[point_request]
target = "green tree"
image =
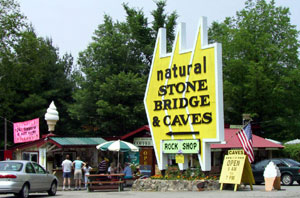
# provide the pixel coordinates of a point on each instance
(35, 77)
(109, 98)
(31, 73)
(121, 102)
(261, 67)
(291, 151)
(12, 22)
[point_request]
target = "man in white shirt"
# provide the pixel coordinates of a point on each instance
(67, 168)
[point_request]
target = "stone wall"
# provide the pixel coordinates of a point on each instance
(174, 185)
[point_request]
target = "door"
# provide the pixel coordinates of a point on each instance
(42, 175)
(31, 177)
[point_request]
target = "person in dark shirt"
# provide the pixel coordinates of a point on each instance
(102, 167)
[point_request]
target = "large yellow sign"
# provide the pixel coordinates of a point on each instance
(236, 169)
(184, 95)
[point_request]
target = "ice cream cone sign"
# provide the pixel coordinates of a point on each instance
(272, 177)
(51, 117)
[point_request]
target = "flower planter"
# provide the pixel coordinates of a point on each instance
(174, 185)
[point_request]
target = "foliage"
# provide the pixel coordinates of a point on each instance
(31, 73)
(135, 167)
(261, 68)
(173, 173)
(292, 151)
(114, 68)
(12, 22)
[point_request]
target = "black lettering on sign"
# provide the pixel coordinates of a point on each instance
(171, 146)
(181, 71)
(189, 146)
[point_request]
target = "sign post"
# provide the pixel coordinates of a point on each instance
(184, 95)
(236, 169)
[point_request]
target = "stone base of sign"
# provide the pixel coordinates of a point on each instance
(174, 185)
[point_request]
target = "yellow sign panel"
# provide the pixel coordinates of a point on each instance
(236, 169)
(232, 169)
(236, 152)
(184, 95)
(179, 159)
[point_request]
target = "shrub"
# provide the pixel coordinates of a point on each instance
(292, 151)
(173, 173)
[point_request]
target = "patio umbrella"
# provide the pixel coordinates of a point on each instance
(118, 146)
(295, 141)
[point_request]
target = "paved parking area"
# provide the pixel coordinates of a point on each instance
(258, 191)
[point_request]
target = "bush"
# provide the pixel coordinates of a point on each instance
(173, 173)
(292, 151)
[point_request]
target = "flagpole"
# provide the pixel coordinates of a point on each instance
(244, 125)
(118, 165)
(247, 122)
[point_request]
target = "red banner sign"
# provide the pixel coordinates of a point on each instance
(27, 131)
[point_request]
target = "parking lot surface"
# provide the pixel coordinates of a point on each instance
(258, 191)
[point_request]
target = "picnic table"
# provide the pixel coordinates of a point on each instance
(105, 182)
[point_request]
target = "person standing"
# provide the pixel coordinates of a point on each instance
(67, 168)
(78, 172)
(86, 169)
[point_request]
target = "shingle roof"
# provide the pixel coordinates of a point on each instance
(233, 142)
(84, 141)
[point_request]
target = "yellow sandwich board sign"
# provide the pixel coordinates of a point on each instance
(236, 169)
(184, 94)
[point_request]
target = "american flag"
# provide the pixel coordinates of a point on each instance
(245, 138)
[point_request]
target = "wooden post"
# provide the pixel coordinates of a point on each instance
(5, 134)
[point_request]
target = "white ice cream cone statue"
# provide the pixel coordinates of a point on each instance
(269, 182)
(51, 124)
(272, 177)
(51, 117)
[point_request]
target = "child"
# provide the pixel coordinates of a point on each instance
(86, 170)
(112, 169)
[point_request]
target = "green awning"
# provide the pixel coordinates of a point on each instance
(78, 141)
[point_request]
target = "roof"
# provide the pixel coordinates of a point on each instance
(145, 127)
(274, 141)
(37, 143)
(233, 142)
(128, 135)
(77, 141)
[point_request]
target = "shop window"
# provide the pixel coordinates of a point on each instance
(30, 156)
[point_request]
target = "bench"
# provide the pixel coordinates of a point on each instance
(105, 182)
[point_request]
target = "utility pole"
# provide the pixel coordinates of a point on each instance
(5, 134)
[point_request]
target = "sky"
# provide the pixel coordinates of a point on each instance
(71, 23)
